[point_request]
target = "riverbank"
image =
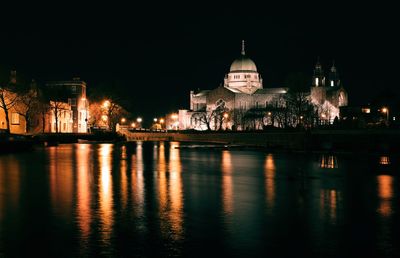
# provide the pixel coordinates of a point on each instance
(377, 140)
(13, 142)
(56, 138)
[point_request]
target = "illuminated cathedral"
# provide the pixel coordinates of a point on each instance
(242, 96)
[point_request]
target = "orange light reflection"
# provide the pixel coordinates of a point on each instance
(83, 191)
(385, 193)
(270, 170)
(105, 191)
(227, 185)
(175, 191)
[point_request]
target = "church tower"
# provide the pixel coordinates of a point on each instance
(334, 76)
(319, 76)
(318, 89)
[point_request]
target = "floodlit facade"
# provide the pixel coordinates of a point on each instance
(77, 100)
(327, 93)
(225, 106)
(17, 122)
(241, 102)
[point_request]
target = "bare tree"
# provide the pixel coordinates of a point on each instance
(28, 105)
(8, 96)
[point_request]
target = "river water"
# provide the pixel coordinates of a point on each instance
(164, 199)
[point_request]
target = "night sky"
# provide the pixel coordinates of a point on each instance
(153, 57)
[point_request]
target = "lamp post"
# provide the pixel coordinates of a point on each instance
(386, 111)
(139, 121)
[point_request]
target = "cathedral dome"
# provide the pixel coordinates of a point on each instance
(243, 63)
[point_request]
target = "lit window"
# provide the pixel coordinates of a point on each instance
(15, 118)
(366, 110)
(332, 83)
(316, 81)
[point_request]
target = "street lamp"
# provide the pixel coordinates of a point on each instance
(161, 122)
(386, 111)
(106, 103)
(155, 120)
(123, 120)
(139, 121)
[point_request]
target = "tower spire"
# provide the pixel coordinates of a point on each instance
(243, 48)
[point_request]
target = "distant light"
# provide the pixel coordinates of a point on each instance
(226, 115)
(323, 115)
(394, 118)
(384, 110)
(139, 120)
(174, 116)
(155, 119)
(123, 120)
(269, 113)
(161, 120)
(366, 110)
(106, 103)
(133, 124)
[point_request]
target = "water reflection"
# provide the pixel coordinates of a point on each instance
(328, 161)
(329, 199)
(83, 190)
(162, 182)
(384, 160)
(269, 172)
(385, 193)
(9, 185)
(227, 185)
(61, 180)
(105, 192)
(137, 180)
(175, 190)
(123, 176)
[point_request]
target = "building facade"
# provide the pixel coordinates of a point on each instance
(227, 106)
(74, 94)
(327, 93)
(242, 103)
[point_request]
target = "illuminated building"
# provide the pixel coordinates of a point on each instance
(327, 94)
(241, 91)
(76, 98)
(245, 100)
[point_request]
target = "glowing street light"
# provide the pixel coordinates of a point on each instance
(133, 125)
(386, 111)
(269, 113)
(155, 120)
(139, 120)
(123, 120)
(226, 115)
(106, 103)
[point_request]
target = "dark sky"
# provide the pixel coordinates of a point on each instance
(154, 55)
